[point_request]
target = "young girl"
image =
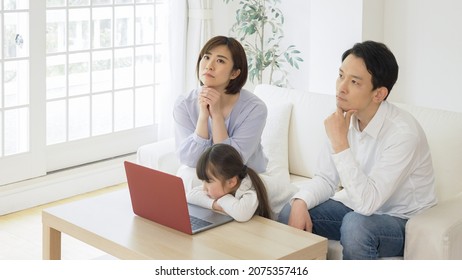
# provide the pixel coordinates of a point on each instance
(229, 185)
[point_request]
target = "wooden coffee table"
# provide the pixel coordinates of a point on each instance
(107, 222)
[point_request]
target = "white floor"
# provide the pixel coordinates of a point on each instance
(21, 234)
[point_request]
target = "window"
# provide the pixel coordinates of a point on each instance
(86, 90)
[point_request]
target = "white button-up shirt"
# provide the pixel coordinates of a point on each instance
(387, 169)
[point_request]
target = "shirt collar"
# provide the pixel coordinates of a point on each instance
(376, 123)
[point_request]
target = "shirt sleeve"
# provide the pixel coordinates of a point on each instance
(245, 134)
(243, 204)
(241, 209)
(367, 193)
(199, 197)
(189, 146)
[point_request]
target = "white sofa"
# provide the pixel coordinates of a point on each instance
(295, 131)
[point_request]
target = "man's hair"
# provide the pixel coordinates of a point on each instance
(237, 55)
(380, 63)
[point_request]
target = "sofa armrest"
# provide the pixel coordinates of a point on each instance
(436, 233)
(159, 155)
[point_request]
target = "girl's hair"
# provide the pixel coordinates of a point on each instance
(223, 161)
(238, 56)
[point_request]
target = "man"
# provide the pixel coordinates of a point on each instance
(381, 162)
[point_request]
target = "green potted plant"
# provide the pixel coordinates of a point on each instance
(259, 26)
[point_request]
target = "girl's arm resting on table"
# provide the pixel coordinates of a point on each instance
(241, 209)
(198, 196)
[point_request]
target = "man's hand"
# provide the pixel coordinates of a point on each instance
(299, 216)
(337, 126)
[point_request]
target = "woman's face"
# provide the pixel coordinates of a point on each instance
(216, 68)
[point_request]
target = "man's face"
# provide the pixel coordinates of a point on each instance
(354, 85)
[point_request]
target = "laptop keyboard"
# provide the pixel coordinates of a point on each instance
(197, 223)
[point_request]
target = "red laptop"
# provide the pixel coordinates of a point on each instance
(160, 197)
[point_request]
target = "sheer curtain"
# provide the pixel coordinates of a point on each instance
(190, 27)
(177, 31)
(199, 32)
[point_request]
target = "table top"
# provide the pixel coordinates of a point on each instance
(107, 222)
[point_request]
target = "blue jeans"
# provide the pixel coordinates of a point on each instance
(362, 237)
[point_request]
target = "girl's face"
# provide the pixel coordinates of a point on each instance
(216, 67)
(215, 188)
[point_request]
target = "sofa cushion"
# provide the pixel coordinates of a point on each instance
(306, 128)
(275, 140)
(444, 133)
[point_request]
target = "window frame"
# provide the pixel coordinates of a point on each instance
(42, 158)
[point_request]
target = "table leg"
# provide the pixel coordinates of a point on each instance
(51, 243)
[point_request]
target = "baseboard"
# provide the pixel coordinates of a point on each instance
(62, 184)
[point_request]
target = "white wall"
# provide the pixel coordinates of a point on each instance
(298, 19)
(320, 29)
(335, 26)
(425, 35)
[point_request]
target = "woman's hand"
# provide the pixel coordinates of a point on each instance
(211, 98)
(204, 112)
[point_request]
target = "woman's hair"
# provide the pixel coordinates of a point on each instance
(238, 56)
(223, 162)
(380, 62)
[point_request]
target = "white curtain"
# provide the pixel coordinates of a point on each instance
(174, 66)
(199, 32)
(190, 26)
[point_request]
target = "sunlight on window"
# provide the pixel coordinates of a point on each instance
(105, 52)
(79, 30)
(123, 68)
(80, 81)
(101, 71)
(124, 24)
(16, 131)
(14, 74)
(16, 80)
(123, 110)
(56, 76)
(15, 4)
(101, 114)
(79, 118)
(79, 73)
(56, 122)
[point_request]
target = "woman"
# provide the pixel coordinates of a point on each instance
(219, 111)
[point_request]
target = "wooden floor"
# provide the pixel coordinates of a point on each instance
(21, 234)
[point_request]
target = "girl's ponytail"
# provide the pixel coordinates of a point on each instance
(262, 195)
